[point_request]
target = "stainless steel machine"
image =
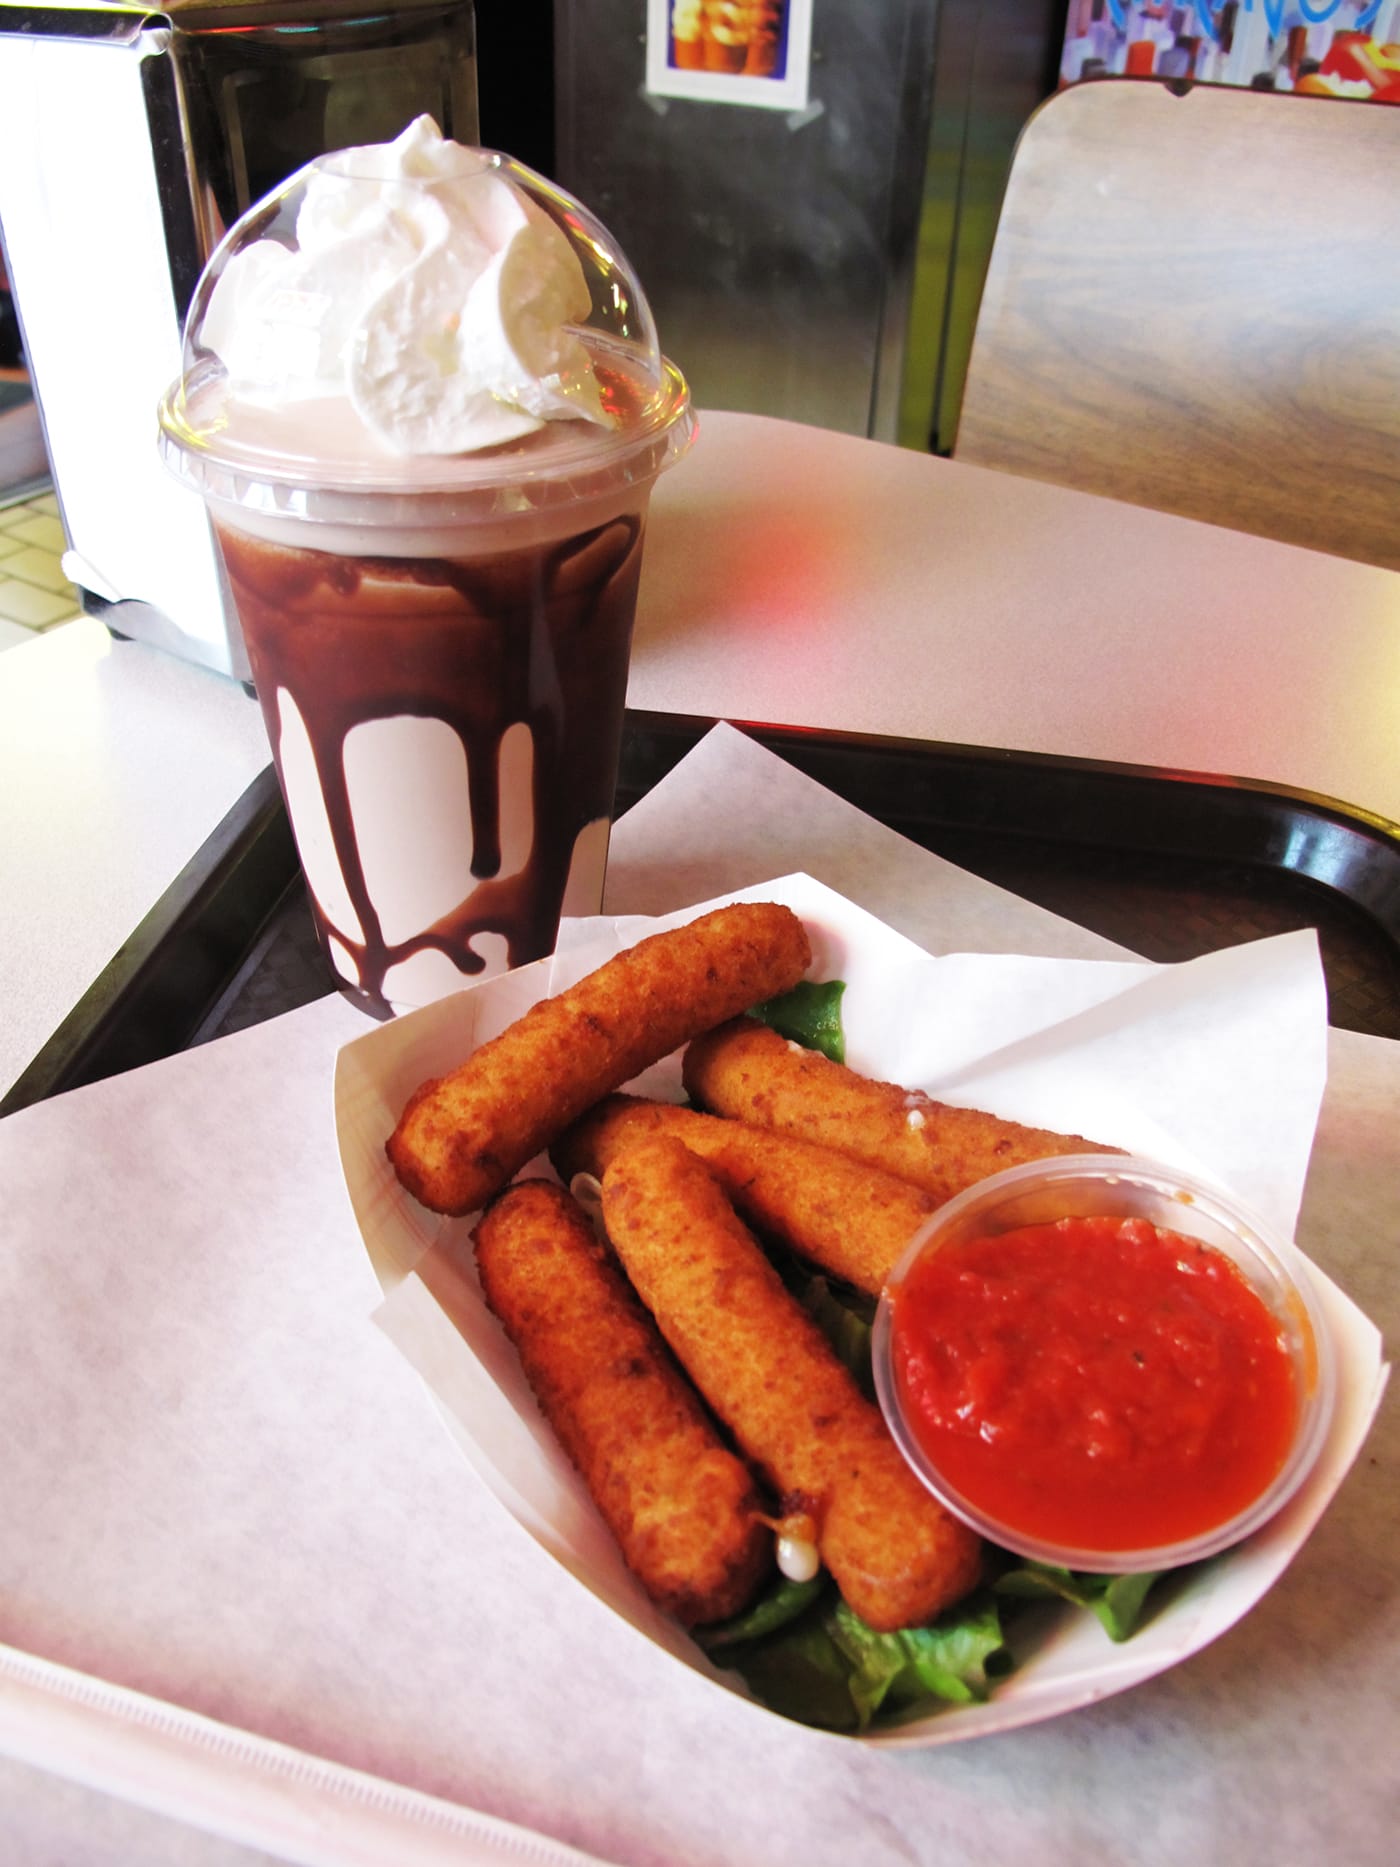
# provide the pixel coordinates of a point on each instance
(130, 138)
(823, 263)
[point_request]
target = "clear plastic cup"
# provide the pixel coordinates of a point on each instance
(439, 643)
(1121, 1187)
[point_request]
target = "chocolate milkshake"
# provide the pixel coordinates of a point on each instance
(427, 426)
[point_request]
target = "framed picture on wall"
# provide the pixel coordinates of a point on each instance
(748, 52)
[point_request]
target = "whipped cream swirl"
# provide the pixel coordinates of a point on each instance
(426, 291)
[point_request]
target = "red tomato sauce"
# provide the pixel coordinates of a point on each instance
(1094, 1382)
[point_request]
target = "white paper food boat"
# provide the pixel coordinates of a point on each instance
(1216, 1067)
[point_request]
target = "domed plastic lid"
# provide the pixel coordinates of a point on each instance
(419, 319)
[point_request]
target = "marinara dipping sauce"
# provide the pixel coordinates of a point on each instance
(1106, 1372)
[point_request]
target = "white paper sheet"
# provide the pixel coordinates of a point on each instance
(227, 1492)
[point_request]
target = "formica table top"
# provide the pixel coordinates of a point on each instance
(822, 580)
(792, 576)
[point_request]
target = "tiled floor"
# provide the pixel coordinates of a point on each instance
(34, 593)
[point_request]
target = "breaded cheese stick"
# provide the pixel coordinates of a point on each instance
(771, 1376)
(842, 1214)
(683, 1508)
(463, 1136)
(748, 1072)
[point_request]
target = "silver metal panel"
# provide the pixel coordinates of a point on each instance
(129, 138)
(777, 249)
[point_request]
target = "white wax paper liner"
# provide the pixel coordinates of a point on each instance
(1215, 1066)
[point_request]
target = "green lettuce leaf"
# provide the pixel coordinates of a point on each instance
(809, 1014)
(950, 1662)
(800, 1674)
(806, 1655)
(1118, 1600)
(781, 1603)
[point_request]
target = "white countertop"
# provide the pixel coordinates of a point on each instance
(814, 579)
(116, 763)
(792, 576)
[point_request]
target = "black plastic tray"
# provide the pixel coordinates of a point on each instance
(1168, 864)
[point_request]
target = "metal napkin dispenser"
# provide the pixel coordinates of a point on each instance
(130, 139)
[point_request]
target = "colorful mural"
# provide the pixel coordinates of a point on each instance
(1337, 48)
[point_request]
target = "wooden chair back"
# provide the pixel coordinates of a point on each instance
(1193, 303)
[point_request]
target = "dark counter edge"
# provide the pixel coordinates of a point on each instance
(149, 999)
(921, 788)
(152, 998)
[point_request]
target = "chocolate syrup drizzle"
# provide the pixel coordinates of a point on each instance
(540, 636)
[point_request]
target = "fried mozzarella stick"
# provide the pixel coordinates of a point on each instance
(769, 1373)
(463, 1136)
(683, 1508)
(748, 1072)
(841, 1214)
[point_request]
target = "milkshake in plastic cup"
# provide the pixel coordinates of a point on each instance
(423, 399)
